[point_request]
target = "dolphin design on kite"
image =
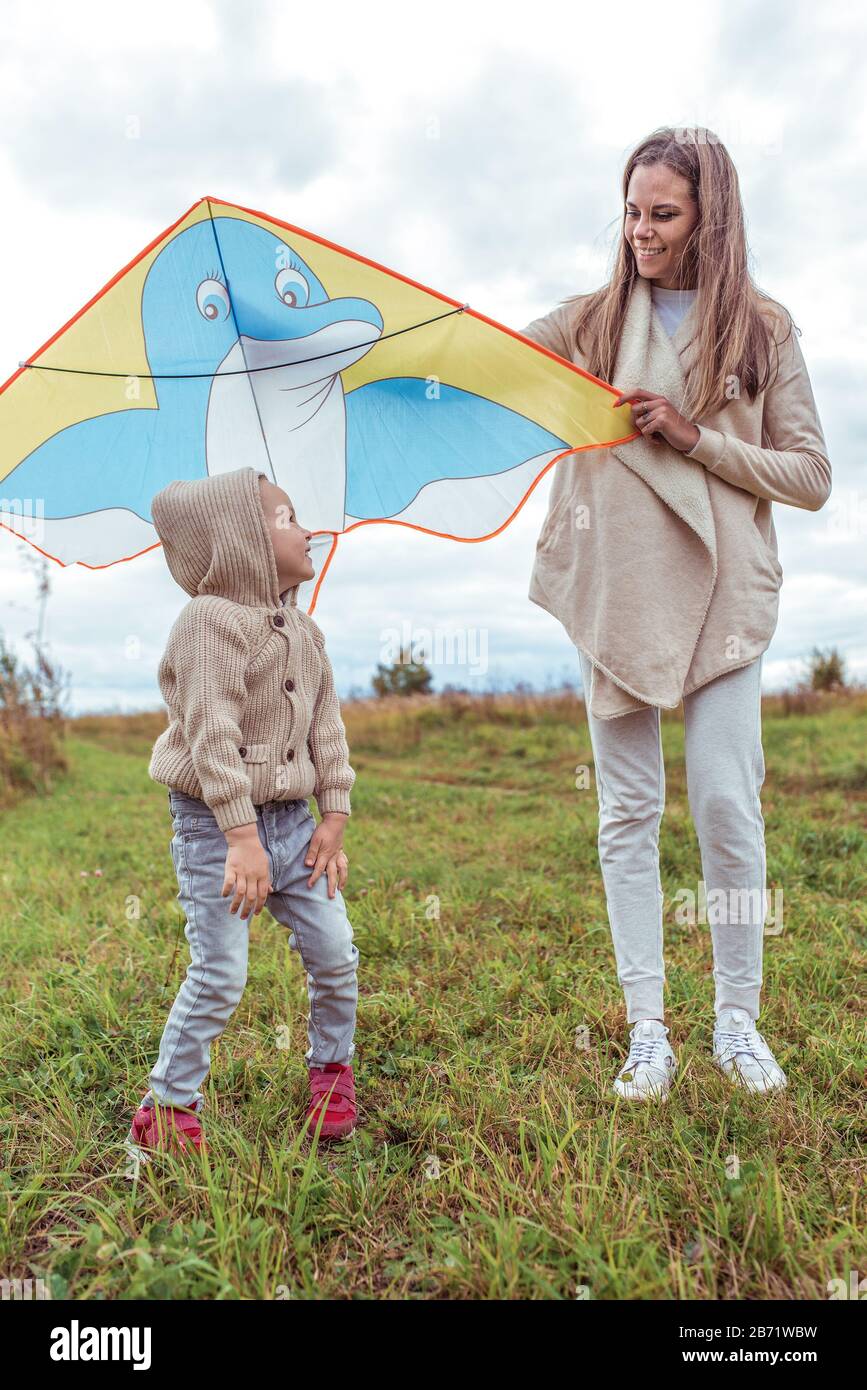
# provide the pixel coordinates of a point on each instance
(238, 339)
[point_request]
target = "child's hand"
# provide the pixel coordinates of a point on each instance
(247, 870)
(326, 852)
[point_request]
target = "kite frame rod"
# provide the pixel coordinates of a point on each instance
(239, 371)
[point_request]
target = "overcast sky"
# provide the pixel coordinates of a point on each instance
(477, 148)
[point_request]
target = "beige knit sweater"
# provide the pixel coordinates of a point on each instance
(253, 713)
(663, 566)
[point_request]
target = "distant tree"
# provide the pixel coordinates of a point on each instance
(826, 670)
(32, 720)
(404, 677)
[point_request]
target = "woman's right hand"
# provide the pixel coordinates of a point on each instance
(247, 876)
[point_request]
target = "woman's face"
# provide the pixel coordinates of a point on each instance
(660, 216)
(291, 542)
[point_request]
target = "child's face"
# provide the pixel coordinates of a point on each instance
(291, 542)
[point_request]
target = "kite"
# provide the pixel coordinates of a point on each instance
(237, 339)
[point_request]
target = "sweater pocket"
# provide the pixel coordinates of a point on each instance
(258, 760)
(255, 752)
(768, 552)
(552, 527)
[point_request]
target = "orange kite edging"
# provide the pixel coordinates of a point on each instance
(376, 265)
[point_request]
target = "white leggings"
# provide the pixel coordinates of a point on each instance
(725, 769)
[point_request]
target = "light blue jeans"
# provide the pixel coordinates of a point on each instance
(725, 769)
(319, 929)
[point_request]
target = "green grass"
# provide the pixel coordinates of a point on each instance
(492, 1160)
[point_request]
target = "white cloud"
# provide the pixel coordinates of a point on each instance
(477, 149)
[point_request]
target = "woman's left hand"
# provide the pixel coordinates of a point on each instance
(654, 415)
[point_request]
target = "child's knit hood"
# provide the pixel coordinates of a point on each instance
(216, 538)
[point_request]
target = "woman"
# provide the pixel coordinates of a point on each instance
(659, 556)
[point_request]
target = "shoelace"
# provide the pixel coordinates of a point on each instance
(642, 1050)
(752, 1043)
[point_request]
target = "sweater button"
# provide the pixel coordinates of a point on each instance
(289, 685)
(290, 754)
(243, 752)
(279, 622)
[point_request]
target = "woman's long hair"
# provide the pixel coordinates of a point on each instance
(736, 320)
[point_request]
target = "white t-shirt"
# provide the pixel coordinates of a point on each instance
(671, 305)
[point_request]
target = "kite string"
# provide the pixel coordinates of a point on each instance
(241, 371)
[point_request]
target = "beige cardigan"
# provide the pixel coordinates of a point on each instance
(662, 566)
(253, 713)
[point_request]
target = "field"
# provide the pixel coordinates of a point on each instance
(493, 1160)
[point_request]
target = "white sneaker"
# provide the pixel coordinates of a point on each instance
(648, 1070)
(741, 1052)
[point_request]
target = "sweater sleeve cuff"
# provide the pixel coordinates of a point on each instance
(240, 811)
(333, 799)
(709, 447)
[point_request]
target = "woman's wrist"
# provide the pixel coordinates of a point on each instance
(691, 446)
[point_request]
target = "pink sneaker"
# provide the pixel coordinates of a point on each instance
(172, 1128)
(332, 1088)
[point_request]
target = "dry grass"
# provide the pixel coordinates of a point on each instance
(492, 1160)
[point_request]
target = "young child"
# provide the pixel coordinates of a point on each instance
(254, 729)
